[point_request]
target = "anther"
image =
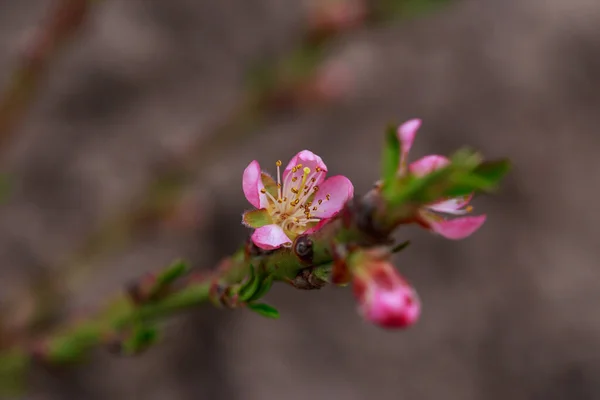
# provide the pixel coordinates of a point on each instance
(278, 163)
(469, 209)
(263, 191)
(328, 197)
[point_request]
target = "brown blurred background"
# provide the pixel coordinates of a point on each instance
(197, 89)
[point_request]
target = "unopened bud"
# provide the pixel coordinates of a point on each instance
(384, 297)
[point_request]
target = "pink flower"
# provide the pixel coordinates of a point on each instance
(429, 215)
(294, 204)
(384, 297)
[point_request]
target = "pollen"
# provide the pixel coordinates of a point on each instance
(292, 205)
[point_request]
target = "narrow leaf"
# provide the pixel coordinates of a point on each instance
(173, 272)
(250, 287)
(265, 286)
(390, 156)
(400, 246)
(264, 309)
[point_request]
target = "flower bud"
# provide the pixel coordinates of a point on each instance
(384, 297)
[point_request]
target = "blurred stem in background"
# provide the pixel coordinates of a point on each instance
(60, 26)
(298, 79)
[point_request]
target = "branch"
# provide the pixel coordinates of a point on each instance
(356, 241)
(61, 26)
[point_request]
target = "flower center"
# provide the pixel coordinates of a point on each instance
(292, 207)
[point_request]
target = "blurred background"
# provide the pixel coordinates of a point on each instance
(125, 126)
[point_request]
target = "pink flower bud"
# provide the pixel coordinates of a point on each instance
(384, 297)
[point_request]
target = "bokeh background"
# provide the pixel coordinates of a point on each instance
(124, 146)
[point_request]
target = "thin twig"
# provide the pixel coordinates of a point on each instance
(61, 25)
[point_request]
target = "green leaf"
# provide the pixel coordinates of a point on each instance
(264, 287)
(173, 272)
(484, 177)
(400, 246)
(142, 337)
(464, 175)
(264, 309)
(390, 156)
(248, 289)
(257, 218)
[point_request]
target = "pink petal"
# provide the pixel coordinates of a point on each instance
(458, 228)
(270, 237)
(396, 308)
(318, 226)
(452, 206)
(252, 185)
(307, 159)
(406, 134)
(428, 164)
(340, 190)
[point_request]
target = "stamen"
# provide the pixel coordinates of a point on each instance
(320, 201)
(469, 209)
(263, 191)
(278, 164)
(270, 196)
(328, 197)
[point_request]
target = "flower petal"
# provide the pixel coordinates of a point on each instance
(452, 206)
(252, 185)
(332, 196)
(307, 159)
(270, 237)
(458, 228)
(428, 164)
(406, 134)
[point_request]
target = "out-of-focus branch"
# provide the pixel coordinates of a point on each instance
(60, 26)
